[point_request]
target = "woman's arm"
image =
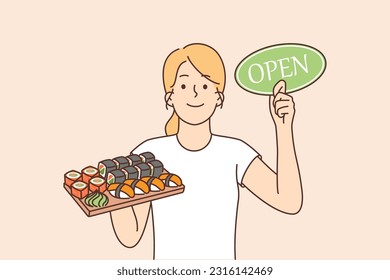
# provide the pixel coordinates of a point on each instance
(283, 189)
(129, 223)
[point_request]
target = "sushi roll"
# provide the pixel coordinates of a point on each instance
(147, 157)
(143, 170)
(121, 190)
(97, 184)
(156, 168)
(105, 167)
(130, 172)
(71, 177)
(120, 162)
(139, 186)
(116, 176)
(134, 159)
(170, 180)
(155, 184)
(79, 189)
(88, 173)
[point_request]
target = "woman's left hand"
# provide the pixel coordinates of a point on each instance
(281, 106)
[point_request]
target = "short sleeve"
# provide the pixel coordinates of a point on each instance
(244, 154)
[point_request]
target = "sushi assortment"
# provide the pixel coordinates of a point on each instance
(122, 177)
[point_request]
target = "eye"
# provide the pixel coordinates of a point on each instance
(183, 86)
(204, 86)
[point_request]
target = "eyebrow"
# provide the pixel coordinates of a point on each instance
(184, 75)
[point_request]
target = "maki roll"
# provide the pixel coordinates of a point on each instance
(143, 170)
(116, 176)
(139, 186)
(170, 180)
(79, 189)
(71, 177)
(88, 173)
(130, 172)
(105, 167)
(147, 157)
(156, 168)
(97, 184)
(155, 184)
(134, 159)
(120, 162)
(121, 191)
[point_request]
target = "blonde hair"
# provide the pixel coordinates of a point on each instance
(205, 59)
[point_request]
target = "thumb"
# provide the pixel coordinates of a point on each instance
(279, 87)
(271, 105)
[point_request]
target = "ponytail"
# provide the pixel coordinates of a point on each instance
(172, 125)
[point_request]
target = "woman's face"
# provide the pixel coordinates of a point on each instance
(194, 97)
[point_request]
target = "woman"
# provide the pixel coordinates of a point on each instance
(201, 222)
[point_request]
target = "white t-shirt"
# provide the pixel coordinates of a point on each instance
(200, 222)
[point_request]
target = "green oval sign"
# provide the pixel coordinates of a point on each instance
(299, 65)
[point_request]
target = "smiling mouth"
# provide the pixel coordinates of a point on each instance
(195, 106)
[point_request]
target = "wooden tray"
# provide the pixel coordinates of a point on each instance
(119, 203)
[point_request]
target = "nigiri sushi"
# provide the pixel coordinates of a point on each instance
(139, 187)
(170, 180)
(155, 184)
(121, 190)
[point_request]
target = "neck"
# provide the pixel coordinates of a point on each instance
(194, 137)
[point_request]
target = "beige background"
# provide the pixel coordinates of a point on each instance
(80, 81)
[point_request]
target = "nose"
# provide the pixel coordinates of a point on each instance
(196, 94)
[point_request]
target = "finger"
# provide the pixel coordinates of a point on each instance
(271, 107)
(282, 111)
(282, 97)
(279, 87)
(271, 104)
(283, 103)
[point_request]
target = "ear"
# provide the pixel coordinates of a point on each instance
(168, 100)
(220, 99)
